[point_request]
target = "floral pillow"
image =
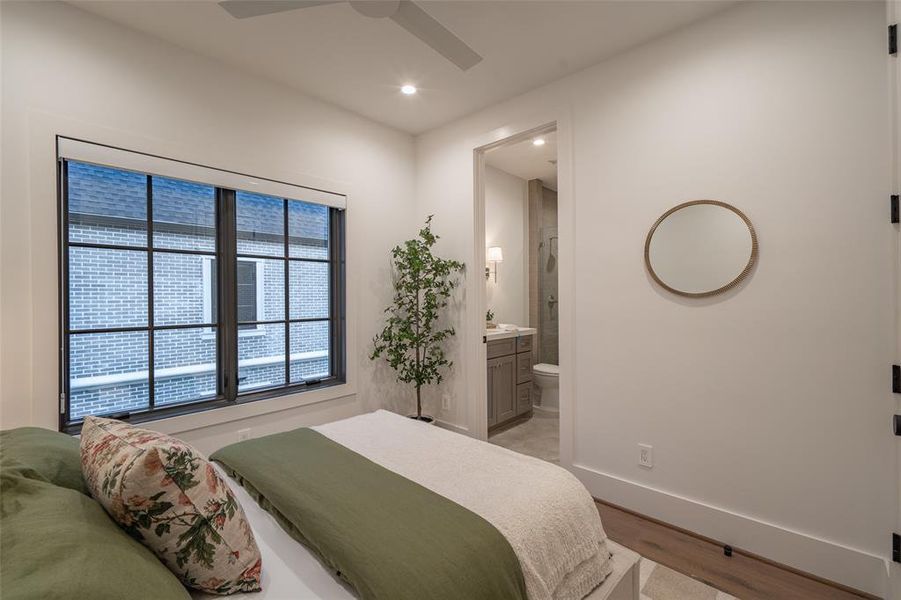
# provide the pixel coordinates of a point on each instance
(166, 495)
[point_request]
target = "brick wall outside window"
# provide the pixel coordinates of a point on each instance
(109, 288)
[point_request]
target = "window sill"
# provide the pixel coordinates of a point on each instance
(249, 409)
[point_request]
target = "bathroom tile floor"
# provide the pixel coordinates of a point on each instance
(538, 437)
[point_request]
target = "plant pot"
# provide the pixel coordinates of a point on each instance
(424, 418)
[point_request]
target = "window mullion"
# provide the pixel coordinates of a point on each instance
(227, 317)
(337, 292)
(151, 384)
(287, 313)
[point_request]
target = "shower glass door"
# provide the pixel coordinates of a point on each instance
(548, 297)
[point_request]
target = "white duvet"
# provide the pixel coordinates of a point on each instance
(543, 511)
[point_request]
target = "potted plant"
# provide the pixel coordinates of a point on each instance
(411, 340)
(489, 320)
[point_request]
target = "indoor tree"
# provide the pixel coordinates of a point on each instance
(411, 341)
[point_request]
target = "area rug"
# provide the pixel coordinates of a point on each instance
(657, 582)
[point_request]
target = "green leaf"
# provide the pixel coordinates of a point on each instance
(411, 342)
(159, 508)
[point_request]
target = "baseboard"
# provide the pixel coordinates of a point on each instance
(830, 560)
(495, 429)
(452, 427)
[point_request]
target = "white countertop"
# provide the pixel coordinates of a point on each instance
(512, 331)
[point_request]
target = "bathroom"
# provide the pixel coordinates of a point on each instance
(522, 317)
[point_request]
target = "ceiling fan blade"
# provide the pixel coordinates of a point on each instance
(243, 9)
(421, 24)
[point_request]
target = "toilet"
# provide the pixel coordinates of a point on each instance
(547, 378)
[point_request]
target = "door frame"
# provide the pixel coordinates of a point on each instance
(893, 15)
(558, 120)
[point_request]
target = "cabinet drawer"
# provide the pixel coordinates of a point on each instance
(501, 347)
(523, 398)
(524, 343)
(523, 367)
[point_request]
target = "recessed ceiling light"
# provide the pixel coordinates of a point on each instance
(408, 89)
(538, 142)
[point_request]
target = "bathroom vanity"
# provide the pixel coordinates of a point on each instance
(509, 374)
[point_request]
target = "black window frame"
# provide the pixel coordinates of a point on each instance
(225, 258)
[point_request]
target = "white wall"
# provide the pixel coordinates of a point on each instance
(507, 226)
(65, 71)
(769, 407)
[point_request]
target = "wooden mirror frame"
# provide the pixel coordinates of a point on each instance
(738, 279)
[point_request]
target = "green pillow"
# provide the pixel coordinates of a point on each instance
(58, 543)
(54, 456)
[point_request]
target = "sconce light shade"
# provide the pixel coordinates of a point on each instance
(495, 254)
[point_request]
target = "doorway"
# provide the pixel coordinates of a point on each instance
(518, 188)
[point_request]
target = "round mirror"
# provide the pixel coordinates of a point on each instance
(700, 248)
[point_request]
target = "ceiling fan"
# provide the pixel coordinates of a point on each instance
(405, 13)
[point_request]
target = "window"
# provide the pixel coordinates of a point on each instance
(250, 287)
(178, 296)
(250, 291)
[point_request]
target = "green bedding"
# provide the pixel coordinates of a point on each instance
(51, 455)
(388, 537)
(58, 544)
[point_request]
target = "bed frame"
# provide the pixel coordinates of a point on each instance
(623, 582)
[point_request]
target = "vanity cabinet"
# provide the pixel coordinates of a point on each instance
(523, 398)
(509, 379)
(501, 389)
(501, 348)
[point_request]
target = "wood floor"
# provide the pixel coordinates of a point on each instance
(743, 576)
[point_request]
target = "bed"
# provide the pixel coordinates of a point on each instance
(542, 513)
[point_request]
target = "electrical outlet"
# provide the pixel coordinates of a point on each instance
(243, 434)
(445, 402)
(646, 455)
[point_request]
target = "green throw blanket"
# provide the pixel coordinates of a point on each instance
(388, 537)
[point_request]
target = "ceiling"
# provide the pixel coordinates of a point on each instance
(335, 54)
(528, 161)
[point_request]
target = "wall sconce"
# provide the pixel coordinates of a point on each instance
(494, 256)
